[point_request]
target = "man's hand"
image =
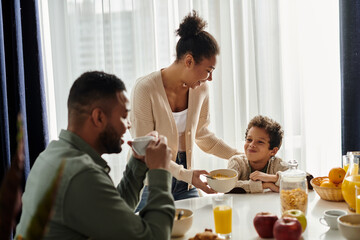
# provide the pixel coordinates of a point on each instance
(264, 177)
(158, 154)
(142, 158)
(196, 181)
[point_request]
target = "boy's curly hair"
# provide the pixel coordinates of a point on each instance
(271, 127)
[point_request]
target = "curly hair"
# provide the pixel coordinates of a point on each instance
(271, 127)
(194, 40)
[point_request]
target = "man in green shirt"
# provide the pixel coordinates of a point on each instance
(88, 205)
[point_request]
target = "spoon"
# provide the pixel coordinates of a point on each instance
(208, 176)
(181, 213)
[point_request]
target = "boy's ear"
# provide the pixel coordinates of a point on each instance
(274, 151)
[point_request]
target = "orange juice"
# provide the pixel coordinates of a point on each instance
(355, 170)
(222, 217)
(346, 167)
(358, 204)
(348, 190)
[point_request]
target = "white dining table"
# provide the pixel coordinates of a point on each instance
(246, 206)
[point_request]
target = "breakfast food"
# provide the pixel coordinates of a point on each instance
(327, 183)
(206, 235)
(293, 199)
(222, 176)
(334, 179)
(336, 175)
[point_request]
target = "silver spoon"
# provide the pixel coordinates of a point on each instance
(208, 176)
(181, 213)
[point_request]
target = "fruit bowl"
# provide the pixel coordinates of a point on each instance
(326, 193)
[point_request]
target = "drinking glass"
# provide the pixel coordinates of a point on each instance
(222, 208)
(352, 179)
(345, 162)
(357, 196)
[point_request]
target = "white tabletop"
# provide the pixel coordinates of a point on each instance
(245, 207)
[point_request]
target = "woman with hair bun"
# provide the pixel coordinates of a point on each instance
(174, 101)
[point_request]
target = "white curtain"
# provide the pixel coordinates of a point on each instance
(278, 58)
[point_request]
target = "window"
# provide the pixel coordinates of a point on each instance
(278, 58)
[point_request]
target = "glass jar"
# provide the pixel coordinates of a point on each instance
(293, 189)
(351, 179)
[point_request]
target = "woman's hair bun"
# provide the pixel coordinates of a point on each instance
(191, 25)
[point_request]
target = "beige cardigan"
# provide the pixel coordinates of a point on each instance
(150, 110)
(241, 164)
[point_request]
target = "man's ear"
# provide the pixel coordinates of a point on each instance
(98, 117)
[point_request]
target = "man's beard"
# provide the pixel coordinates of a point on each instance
(110, 140)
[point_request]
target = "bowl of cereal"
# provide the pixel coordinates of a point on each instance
(223, 180)
(182, 222)
(349, 226)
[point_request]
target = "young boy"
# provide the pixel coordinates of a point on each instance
(259, 168)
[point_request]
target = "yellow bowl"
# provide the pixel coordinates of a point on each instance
(327, 193)
(183, 225)
(224, 180)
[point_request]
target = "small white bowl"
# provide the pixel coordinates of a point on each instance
(223, 185)
(349, 226)
(140, 144)
(183, 225)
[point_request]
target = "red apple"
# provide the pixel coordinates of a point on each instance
(264, 223)
(287, 228)
(299, 215)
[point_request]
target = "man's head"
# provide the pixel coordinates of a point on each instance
(97, 110)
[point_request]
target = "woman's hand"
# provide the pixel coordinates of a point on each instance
(264, 177)
(196, 181)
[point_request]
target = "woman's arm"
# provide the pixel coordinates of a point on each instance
(206, 140)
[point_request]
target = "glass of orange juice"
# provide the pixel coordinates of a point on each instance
(345, 162)
(357, 197)
(351, 180)
(222, 208)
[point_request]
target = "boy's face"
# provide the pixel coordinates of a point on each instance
(257, 144)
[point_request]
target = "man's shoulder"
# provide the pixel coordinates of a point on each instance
(57, 151)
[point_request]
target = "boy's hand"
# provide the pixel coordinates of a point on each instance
(264, 177)
(271, 186)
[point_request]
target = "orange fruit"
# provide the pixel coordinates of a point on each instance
(339, 185)
(336, 175)
(327, 184)
(324, 179)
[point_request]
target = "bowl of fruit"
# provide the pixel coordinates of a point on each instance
(329, 187)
